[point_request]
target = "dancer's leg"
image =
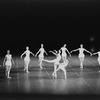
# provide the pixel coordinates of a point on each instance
(81, 62)
(98, 62)
(26, 66)
(40, 62)
(8, 72)
(54, 73)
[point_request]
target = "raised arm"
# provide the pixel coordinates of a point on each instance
(88, 51)
(74, 50)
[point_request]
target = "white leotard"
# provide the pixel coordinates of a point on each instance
(27, 58)
(8, 61)
(63, 52)
(41, 55)
(81, 52)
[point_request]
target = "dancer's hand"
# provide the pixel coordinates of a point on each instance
(91, 54)
(71, 52)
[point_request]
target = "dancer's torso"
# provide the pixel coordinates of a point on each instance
(81, 52)
(41, 53)
(63, 52)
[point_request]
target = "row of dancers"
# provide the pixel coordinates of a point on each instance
(60, 54)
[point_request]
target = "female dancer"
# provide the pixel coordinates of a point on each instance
(27, 59)
(98, 59)
(55, 61)
(8, 63)
(81, 54)
(64, 55)
(41, 55)
(62, 66)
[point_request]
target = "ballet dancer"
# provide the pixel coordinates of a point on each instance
(98, 59)
(62, 66)
(55, 61)
(41, 55)
(64, 54)
(8, 61)
(81, 54)
(27, 59)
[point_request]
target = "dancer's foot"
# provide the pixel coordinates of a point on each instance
(27, 72)
(41, 68)
(8, 77)
(81, 67)
(65, 77)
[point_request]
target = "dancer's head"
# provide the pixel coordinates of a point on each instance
(41, 45)
(64, 45)
(8, 52)
(27, 48)
(81, 45)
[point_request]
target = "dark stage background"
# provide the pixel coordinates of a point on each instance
(51, 22)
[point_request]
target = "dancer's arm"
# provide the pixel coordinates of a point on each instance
(4, 61)
(37, 53)
(68, 52)
(53, 53)
(88, 51)
(31, 53)
(12, 61)
(74, 50)
(95, 53)
(23, 54)
(45, 52)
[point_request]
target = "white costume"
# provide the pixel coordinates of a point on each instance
(41, 55)
(62, 66)
(27, 59)
(8, 61)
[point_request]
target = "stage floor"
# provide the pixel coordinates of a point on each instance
(79, 81)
